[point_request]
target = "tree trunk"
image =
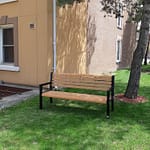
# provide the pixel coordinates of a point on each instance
(134, 79)
(146, 54)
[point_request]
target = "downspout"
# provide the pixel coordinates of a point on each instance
(54, 35)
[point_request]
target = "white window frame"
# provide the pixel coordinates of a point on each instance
(119, 22)
(119, 18)
(119, 38)
(6, 1)
(1, 43)
(138, 30)
(9, 68)
(5, 66)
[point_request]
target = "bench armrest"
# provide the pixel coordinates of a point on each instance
(42, 89)
(46, 83)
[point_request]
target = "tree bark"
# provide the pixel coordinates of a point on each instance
(135, 73)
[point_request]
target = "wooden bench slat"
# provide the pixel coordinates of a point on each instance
(82, 86)
(82, 81)
(98, 82)
(76, 96)
(82, 77)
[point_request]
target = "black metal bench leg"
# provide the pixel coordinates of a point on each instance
(108, 107)
(40, 99)
(112, 104)
(112, 93)
(41, 102)
(51, 100)
(112, 100)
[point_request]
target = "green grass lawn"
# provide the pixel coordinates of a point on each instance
(67, 125)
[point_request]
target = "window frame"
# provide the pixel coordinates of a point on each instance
(2, 45)
(1, 48)
(119, 18)
(6, 22)
(119, 22)
(118, 49)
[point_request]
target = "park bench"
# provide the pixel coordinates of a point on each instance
(89, 82)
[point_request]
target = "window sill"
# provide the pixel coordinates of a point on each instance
(7, 1)
(118, 61)
(119, 27)
(9, 68)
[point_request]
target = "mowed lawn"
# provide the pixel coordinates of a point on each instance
(67, 125)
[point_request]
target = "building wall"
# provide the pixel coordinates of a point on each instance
(86, 40)
(71, 38)
(102, 36)
(33, 43)
(102, 57)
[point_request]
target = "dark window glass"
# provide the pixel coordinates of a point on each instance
(8, 54)
(8, 45)
(8, 36)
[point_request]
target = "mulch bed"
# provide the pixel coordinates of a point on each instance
(8, 91)
(122, 98)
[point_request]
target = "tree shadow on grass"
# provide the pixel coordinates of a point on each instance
(75, 108)
(124, 112)
(124, 118)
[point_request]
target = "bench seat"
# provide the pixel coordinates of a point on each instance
(76, 96)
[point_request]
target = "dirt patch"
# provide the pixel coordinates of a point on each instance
(8, 91)
(122, 98)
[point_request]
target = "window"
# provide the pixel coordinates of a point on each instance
(118, 49)
(119, 22)
(138, 30)
(8, 44)
(6, 1)
(119, 17)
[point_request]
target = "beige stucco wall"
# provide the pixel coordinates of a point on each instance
(102, 59)
(72, 38)
(33, 43)
(102, 47)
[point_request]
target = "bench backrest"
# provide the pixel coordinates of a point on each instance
(93, 82)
